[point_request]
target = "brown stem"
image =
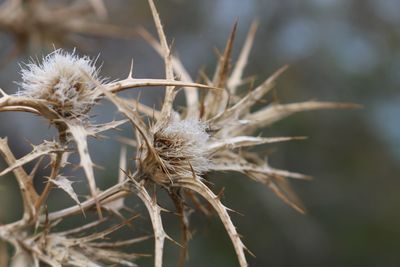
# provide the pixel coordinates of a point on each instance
(54, 171)
(49, 185)
(28, 192)
(184, 222)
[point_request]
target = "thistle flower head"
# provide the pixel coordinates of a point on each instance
(65, 80)
(181, 146)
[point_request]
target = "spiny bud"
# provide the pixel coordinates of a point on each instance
(65, 80)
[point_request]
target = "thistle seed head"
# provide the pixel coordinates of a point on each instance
(65, 80)
(181, 147)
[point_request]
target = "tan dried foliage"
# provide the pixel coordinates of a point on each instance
(174, 151)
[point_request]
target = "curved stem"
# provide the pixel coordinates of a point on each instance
(197, 186)
(54, 171)
(155, 216)
(49, 185)
(183, 214)
(134, 83)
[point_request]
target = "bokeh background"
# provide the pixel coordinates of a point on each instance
(339, 50)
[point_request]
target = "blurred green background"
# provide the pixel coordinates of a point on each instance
(339, 50)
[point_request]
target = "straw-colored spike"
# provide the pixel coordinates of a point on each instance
(144, 109)
(3, 94)
(130, 74)
(236, 78)
(221, 71)
(249, 100)
(170, 92)
(95, 130)
(216, 102)
(124, 84)
(82, 228)
(104, 233)
(276, 112)
(226, 165)
(245, 141)
(200, 188)
(192, 98)
(122, 243)
(280, 186)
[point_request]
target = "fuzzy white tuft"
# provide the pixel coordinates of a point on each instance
(182, 145)
(65, 80)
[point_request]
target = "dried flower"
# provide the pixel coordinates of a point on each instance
(65, 80)
(174, 152)
(223, 124)
(182, 147)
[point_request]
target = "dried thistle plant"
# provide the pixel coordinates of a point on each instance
(174, 151)
(38, 23)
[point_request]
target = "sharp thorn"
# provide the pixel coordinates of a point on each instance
(130, 75)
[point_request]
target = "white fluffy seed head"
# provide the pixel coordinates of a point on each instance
(65, 80)
(182, 146)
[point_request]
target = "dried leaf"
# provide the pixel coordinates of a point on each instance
(244, 141)
(94, 130)
(249, 100)
(63, 183)
(81, 228)
(235, 79)
(120, 243)
(222, 68)
(280, 186)
(276, 112)
(37, 152)
(243, 167)
(216, 101)
(80, 134)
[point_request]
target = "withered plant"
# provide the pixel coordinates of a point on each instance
(37, 23)
(175, 150)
